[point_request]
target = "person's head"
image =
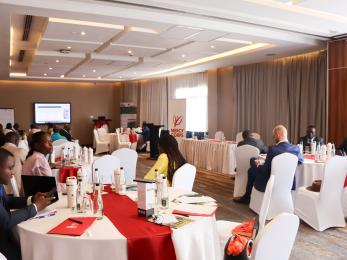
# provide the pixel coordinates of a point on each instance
(8, 126)
(16, 126)
(12, 137)
(49, 125)
(22, 135)
(279, 133)
(311, 131)
(67, 128)
(169, 146)
(246, 134)
(33, 126)
(40, 142)
(144, 124)
(56, 129)
(6, 166)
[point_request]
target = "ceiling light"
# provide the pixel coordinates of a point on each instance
(130, 52)
(212, 46)
(68, 47)
(50, 68)
(83, 33)
(120, 77)
(191, 36)
(289, 3)
(45, 74)
(244, 49)
(134, 73)
(57, 61)
(102, 25)
(223, 39)
(99, 77)
(18, 74)
(83, 76)
(183, 55)
(62, 76)
(94, 70)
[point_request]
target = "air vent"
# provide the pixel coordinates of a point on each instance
(21, 55)
(65, 51)
(27, 24)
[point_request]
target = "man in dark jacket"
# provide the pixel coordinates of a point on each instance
(26, 207)
(248, 139)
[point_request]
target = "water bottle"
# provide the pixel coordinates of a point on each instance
(122, 182)
(96, 177)
(52, 157)
(164, 194)
(80, 196)
(98, 206)
(158, 186)
(317, 154)
(71, 189)
(117, 180)
(333, 150)
(85, 154)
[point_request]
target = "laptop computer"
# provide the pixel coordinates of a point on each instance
(32, 184)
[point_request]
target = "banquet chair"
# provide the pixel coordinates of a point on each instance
(102, 133)
(59, 142)
(184, 177)
(128, 160)
(100, 146)
(106, 166)
(344, 202)
(256, 136)
(2, 257)
(225, 227)
(283, 166)
(243, 154)
(219, 136)
(275, 241)
(120, 143)
(322, 210)
(239, 137)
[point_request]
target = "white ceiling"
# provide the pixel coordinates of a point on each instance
(169, 34)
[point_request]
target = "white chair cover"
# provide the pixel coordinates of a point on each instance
(283, 166)
(239, 137)
(102, 132)
(106, 166)
(276, 240)
(100, 146)
(2, 257)
(128, 160)
(15, 187)
(225, 227)
(219, 136)
(243, 154)
(184, 177)
(322, 210)
(344, 202)
(59, 142)
(119, 142)
(256, 136)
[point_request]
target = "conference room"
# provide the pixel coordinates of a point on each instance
(173, 129)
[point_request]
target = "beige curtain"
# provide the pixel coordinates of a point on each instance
(289, 91)
(153, 101)
(130, 91)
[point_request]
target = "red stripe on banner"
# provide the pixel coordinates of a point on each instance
(146, 241)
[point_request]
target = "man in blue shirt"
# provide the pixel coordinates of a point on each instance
(258, 175)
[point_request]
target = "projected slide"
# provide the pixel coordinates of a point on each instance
(58, 113)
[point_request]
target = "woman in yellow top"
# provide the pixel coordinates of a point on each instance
(169, 160)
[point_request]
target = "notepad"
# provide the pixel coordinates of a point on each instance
(195, 210)
(71, 228)
(195, 200)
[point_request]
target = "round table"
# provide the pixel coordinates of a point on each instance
(309, 171)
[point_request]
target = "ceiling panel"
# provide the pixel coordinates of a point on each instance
(73, 32)
(51, 60)
(208, 48)
(206, 36)
(40, 69)
(123, 50)
(180, 32)
(48, 45)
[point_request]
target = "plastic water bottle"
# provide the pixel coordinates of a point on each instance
(80, 196)
(122, 182)
(333, 150)
(96, 177)
(97, 201)
(164, 194)
(117, 180)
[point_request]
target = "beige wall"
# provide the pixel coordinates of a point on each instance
(97, 99)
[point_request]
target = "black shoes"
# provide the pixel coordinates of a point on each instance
(243, 200)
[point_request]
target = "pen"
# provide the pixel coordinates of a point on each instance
(75, 220)
(184, 215)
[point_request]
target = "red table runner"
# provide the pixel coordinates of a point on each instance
(146, 241)
(67, 171)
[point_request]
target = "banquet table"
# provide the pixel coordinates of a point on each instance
(103, 240)
(113, 138)
(309, 171)
(210, 154)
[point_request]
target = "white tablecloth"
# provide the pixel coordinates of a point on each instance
(198, 240)
(309, 171)
(210, 155)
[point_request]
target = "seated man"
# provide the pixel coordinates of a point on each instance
(11, 145)
(248, 139)
(56, 134)
(310, 137)
(258, 175)
(27, 208)
(66, 131)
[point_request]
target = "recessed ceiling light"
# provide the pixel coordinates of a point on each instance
(120, 77)
(99, 77)
(289, 3)
(83, 76)
(45, 74)
(68, 47)
(50, 68)
(56, 61)
(18, 74)
(134, 73)
(212, 46)
(94, 70)
(183, 55)
(83, 33)
(62, 76)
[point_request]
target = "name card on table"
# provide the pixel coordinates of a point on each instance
(145, 197)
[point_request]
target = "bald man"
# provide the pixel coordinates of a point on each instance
(258, 175)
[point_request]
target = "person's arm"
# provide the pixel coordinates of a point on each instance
(266, 167)
(161, 165)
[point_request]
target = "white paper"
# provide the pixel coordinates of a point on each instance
(194, 200)
(196, 209)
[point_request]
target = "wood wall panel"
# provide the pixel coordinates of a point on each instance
(337, 90)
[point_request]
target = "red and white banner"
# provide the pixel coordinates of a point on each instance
(177, 118)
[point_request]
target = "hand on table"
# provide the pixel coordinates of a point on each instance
(41, 200)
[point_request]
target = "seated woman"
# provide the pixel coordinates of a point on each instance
(56, 134)
(23, 142)
(169, 160)
(36, 162)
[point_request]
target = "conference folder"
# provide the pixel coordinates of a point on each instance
(74, 226)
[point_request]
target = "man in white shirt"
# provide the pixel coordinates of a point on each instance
(11, 145)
